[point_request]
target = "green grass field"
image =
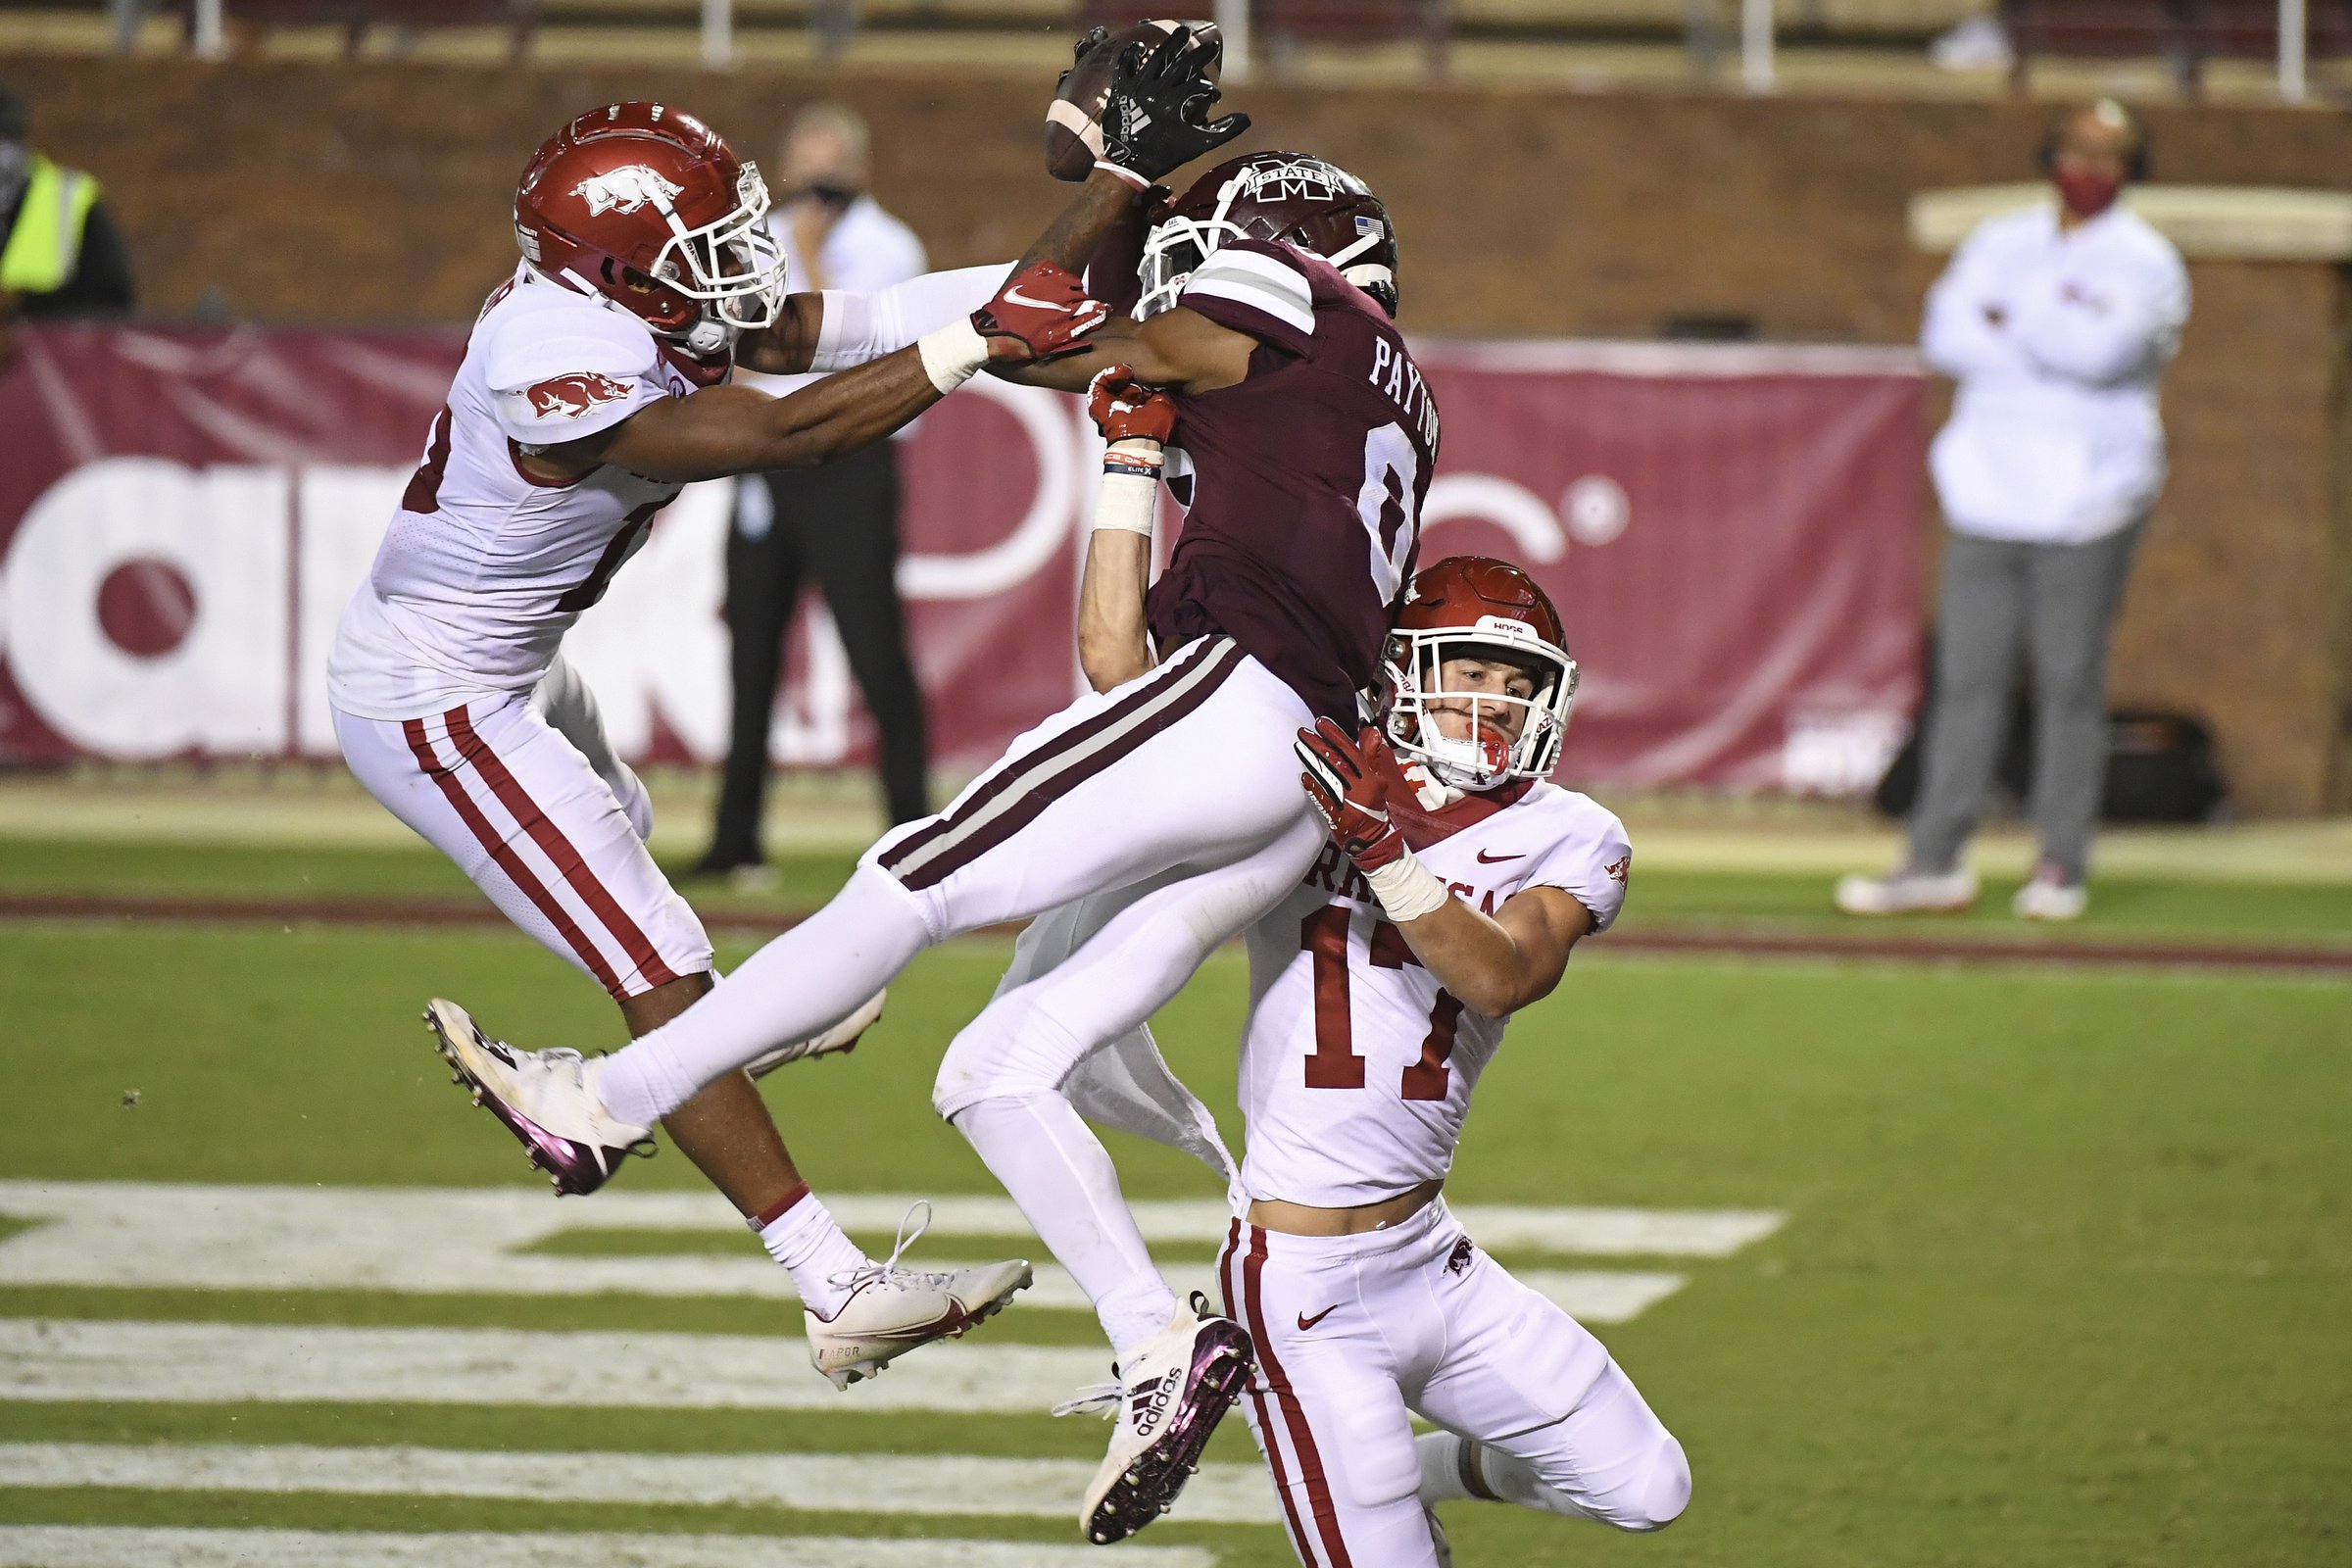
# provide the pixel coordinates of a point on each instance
(2063, 1278)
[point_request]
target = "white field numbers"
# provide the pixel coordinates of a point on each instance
(1387, 505)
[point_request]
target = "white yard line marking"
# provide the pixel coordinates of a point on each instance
(221, 1362)
(458, 1240)
(114, 1546)
(822, 1482)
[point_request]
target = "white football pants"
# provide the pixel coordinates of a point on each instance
(1183, 778)
(526, 793)
(1356, 1333)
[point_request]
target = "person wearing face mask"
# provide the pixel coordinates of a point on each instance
(61, 254)
(2057, 321)
(838, 523)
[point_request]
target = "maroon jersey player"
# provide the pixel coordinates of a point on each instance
(1155, 818)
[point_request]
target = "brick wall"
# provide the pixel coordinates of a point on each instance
(379, 194)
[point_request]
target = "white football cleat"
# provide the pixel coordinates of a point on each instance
(892, 1310)
(2048, 895)
(841, 1038)
(1908, 892)
(547, 1099)
(1169, 1397)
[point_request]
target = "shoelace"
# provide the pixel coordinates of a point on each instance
(1098, 1399)
(888, 1269)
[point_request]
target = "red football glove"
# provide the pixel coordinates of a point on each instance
(1123, 409)
(1349, 782)
(1040, 313)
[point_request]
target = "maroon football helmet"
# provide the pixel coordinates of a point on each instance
(1475, 607)
(1316, 206)
(650, 207)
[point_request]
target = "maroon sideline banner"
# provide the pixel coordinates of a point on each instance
(1732, 532)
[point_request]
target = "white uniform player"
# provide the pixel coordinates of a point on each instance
(1365, 1298)
(451, 700)
(592, 390)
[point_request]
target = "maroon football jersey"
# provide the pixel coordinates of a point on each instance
(1305, 480)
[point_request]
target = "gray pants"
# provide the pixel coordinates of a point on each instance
(1998, 596)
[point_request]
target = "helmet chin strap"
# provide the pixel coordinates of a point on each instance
(708, 336)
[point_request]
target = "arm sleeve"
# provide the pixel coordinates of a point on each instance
(2133, 325)
(1593, 863)
(1255, 287)
(857, 327)
(1955, 337)
(557, 381)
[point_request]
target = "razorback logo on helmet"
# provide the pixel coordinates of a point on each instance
(625, 190)
(574, 394)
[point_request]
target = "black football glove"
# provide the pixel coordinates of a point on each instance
(1155, 118)
(1085, 46)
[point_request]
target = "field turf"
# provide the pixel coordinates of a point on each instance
(2063, 1278)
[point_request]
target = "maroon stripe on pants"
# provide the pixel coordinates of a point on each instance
(1230, 1283)
(517, 870)
(1044, 792)
(1294, 1415)
(558, 851)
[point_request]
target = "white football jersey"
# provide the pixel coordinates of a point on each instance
(484, 567)
(1356, 1066)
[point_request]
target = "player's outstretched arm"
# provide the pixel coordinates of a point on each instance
(1495, 964)
(1179, 349)
(1114, 642)
(728, 430)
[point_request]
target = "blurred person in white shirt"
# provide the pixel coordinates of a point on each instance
(838, 523)
(2057, 321)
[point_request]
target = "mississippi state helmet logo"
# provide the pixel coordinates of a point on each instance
(625, 190)
(571, 396)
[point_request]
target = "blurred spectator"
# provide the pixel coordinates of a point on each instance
(2057, 322)
(839, 523)
(59, 252)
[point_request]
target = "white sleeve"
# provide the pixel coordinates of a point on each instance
(555, 376)
(1593, 863)
(1954, 335)
(857, 327)
(2130, 327)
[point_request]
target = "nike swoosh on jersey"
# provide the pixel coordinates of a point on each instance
(1306, 1322)
(1484, 858)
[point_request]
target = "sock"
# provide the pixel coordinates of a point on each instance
(801, 984)
(1442, 1455)
(1134, 1314)
(1062, 1178)
(808, 1244)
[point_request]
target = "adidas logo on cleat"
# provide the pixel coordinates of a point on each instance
(1148, 1408)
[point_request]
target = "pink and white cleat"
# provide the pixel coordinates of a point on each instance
(841, 1039)
(1169, 1397)
(547, 1099)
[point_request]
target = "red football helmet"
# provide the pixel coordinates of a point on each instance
(1317, 206)
(650, 207)
(1474, 607)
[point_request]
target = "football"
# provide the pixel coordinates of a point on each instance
(1074, 118)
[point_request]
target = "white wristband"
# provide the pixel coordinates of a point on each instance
(1127, 502)
(1125, 174)
(1406, 889)
(952, 354)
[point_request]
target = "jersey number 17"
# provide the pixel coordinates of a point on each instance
(1335, 1063)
